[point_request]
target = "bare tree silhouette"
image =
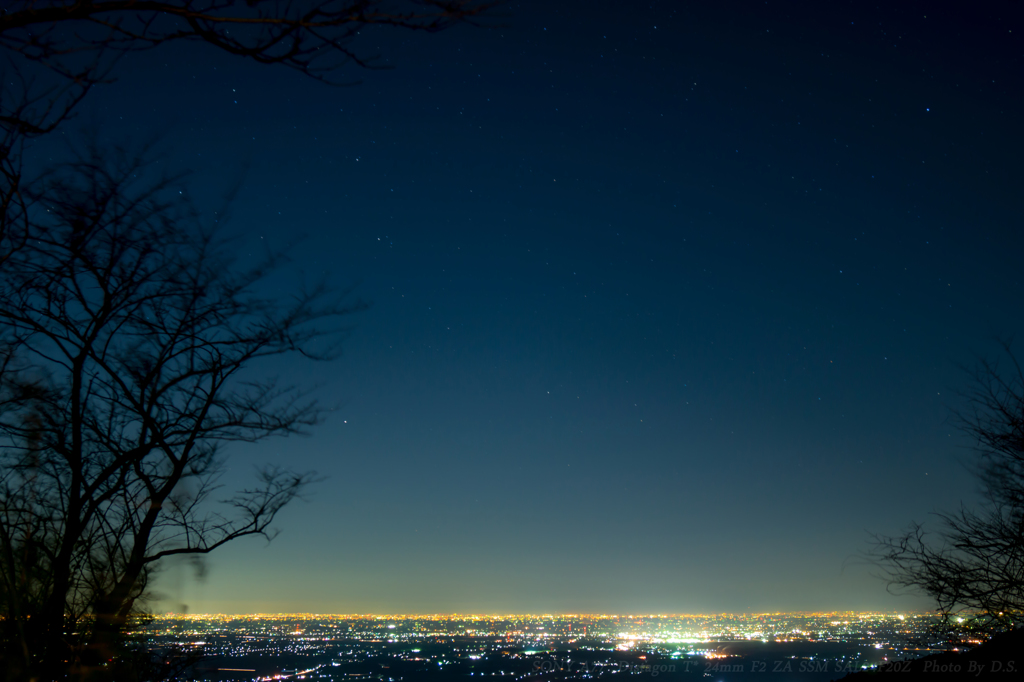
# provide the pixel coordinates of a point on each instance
(973, 566)
(77, 41)
(56, 51)
(131, 345)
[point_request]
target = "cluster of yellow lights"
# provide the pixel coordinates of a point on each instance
(520, 616)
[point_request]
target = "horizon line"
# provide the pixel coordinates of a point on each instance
(454, 614)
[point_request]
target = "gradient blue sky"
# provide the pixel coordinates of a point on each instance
(668, 301)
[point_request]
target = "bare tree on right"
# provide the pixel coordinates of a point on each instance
(973, 564)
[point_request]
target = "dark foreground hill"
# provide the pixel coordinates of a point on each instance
(1000, 658)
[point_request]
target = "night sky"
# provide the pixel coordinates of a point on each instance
(668, 301)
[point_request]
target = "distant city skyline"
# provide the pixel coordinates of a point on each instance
(532, 615)
(575, 646)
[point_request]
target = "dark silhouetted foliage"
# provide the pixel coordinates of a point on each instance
(131, 344)
(129, 339)
(973, 565)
